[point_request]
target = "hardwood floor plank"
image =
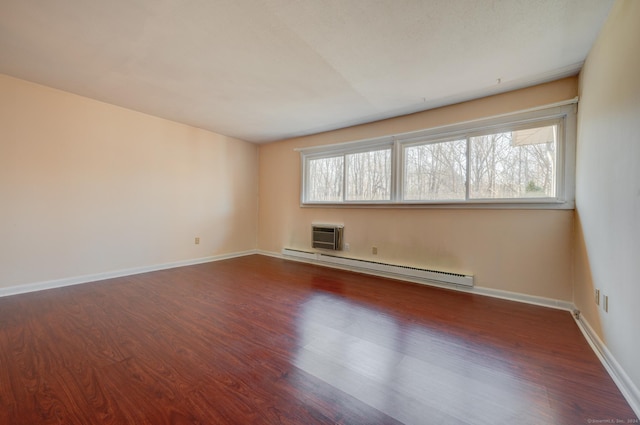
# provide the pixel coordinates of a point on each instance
(262, 340)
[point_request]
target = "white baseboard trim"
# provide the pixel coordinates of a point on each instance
(626, 386)
(76, 280)
(524, 298)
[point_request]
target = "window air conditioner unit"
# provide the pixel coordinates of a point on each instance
(327, 236)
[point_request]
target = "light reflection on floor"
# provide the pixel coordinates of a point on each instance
(408, 371)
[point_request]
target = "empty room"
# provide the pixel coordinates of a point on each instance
(319, 212)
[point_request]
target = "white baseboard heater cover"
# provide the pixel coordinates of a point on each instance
(384, 269)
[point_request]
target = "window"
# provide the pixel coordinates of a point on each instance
(522, 160)
(324, 183)
(515, 164)
(368, 176)
(349, 176)
(435, 171)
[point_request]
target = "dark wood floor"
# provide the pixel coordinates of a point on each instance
(262, 340)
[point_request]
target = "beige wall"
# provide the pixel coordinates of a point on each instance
(87, 187)
(607, 242)
(525, 251)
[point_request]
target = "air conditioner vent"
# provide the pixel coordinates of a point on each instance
(327, 236)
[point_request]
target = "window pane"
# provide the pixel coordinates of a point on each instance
(435, 171)
(369, 176)
(324, 181)
(518, 164)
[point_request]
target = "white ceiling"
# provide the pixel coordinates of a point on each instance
(264, 70)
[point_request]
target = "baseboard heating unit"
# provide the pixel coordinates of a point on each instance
(383, 269)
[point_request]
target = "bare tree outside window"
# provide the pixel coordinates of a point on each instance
(369, 176)
(324, 182)
(517, 164)
(435, 171)
(503, 162)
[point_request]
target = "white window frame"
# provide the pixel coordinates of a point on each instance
(562, 114)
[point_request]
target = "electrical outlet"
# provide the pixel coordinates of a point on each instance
(197, 241)
(347, 247)
(374, 250)
(597, 296)
(605, 303)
